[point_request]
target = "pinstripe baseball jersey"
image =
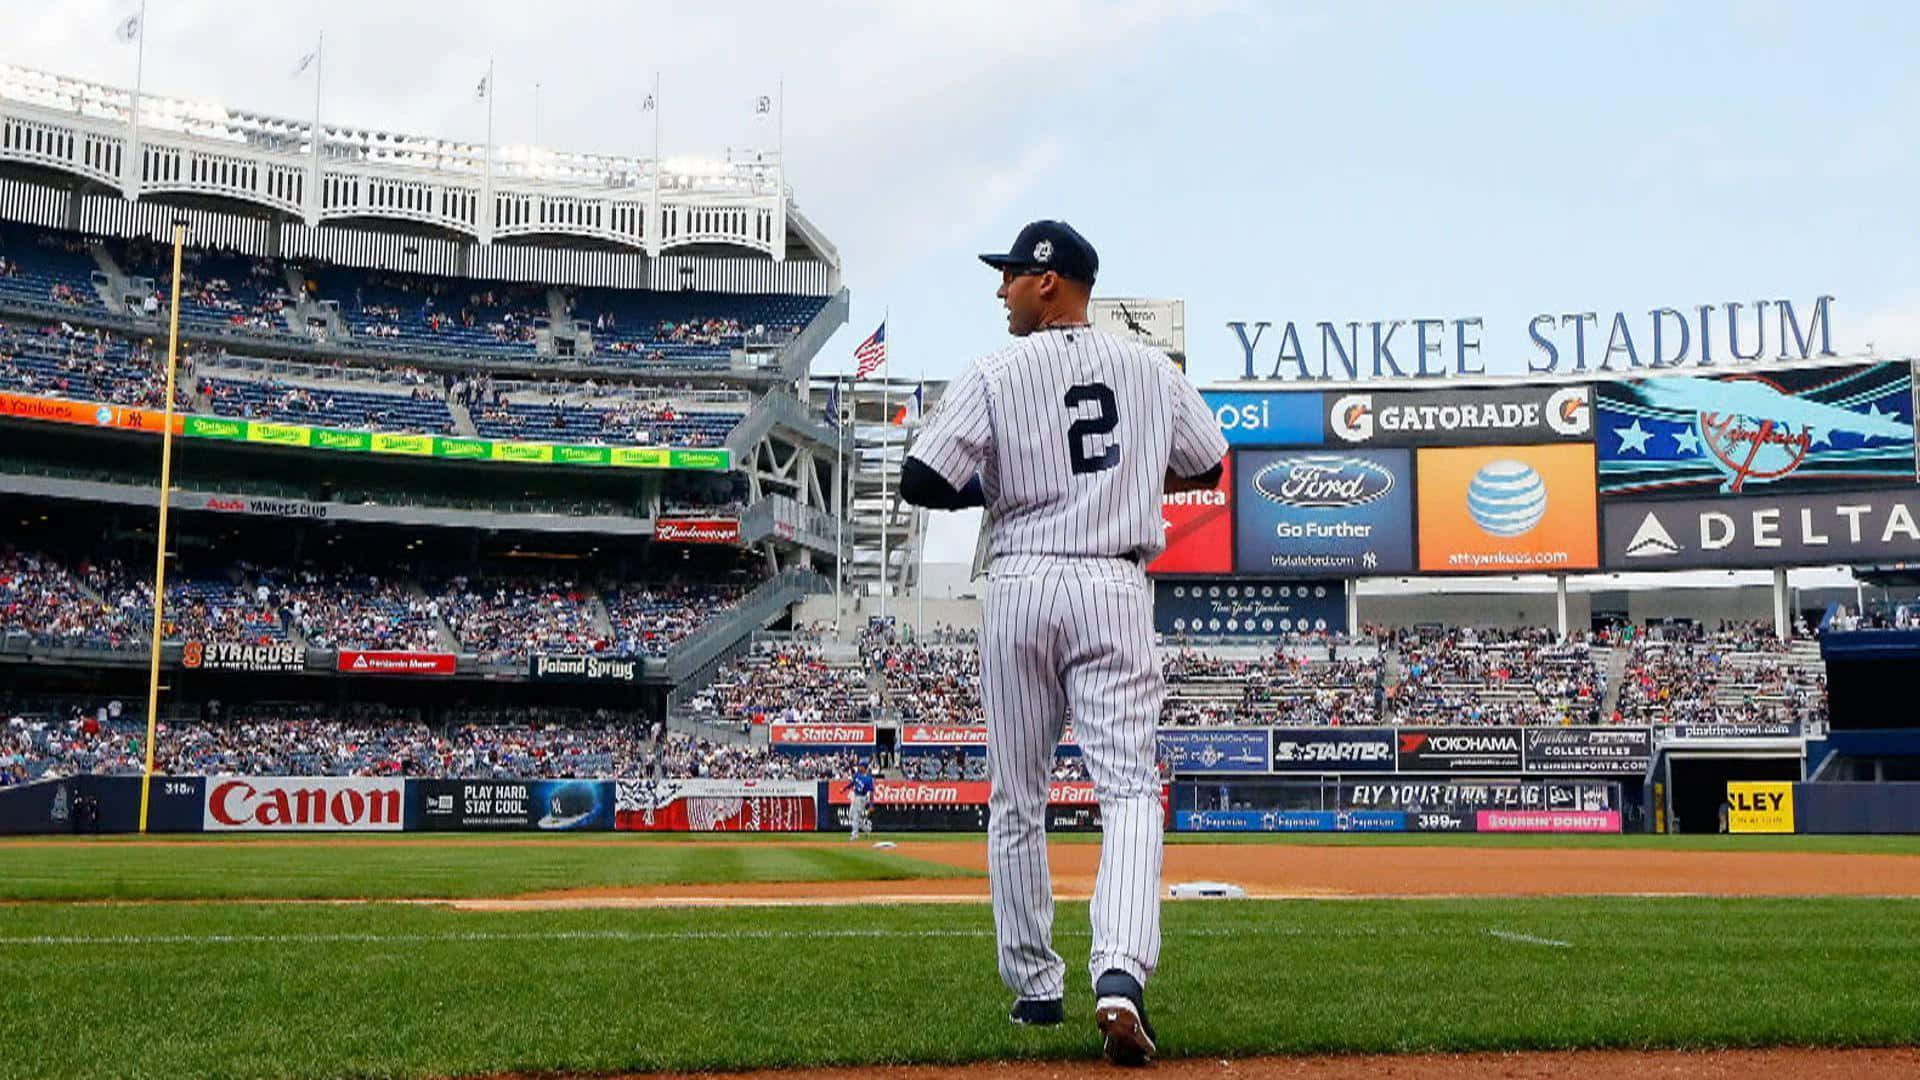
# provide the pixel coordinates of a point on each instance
(1072, 431)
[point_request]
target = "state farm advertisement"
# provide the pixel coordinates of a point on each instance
(697, 530)
(943, 735)
(304, 804)
(821, 734)
(959, 793)
(1199, 528)
(357, 662)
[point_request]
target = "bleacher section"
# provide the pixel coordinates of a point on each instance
(636, 422)
(696, 329)
(417, 311)
(328, 404)
(51, 362)
(220, 288)
(46, 267)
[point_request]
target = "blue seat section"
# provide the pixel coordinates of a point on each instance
(326, 406)
(52, 363)
(221, 287)
(46, 266)
(385, 308)
(699, 329)
(584, 424)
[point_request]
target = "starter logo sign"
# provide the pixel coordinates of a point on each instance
(1306, 514)
(1507, 509)
(1750, 433)
(1460, 417)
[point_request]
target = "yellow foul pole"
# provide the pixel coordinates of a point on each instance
(160, 546)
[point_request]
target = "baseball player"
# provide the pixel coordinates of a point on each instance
(860, 801)
(1069, 437)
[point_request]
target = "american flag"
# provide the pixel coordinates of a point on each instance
(871, 353)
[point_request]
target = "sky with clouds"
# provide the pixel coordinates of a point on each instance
(1349, 161)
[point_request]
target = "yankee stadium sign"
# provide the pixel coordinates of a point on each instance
(1575, 342)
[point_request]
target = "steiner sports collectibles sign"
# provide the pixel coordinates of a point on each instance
(1519, 414)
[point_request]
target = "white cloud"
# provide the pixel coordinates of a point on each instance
(1893, 330)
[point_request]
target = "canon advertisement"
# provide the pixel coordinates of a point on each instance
(1312, 514)
(1214, 750)
(576, 668)
(1757, 433)
(493, 805)
(1763, 530)
(304, 804)
(1459, 750)
(229, 656)
(1332, 750)
(1522, 414)
(1229, 607)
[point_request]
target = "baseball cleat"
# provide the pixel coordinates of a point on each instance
(1038, 1012)
(1126, 1037)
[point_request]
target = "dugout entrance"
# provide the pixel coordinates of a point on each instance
(1691, 780)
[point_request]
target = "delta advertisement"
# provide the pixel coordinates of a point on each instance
(1518, 414)
(1199, 527)
(519, 805)
(1313, 514)
(1234, 608)
(1757, 433)
(705, 805)
(1762, 530)
(1507, 509)
(1215, 750)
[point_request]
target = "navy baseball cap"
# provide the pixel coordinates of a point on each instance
(1050, 245)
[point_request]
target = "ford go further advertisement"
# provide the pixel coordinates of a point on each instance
(1323, 514)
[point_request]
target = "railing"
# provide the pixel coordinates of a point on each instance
(759, 607)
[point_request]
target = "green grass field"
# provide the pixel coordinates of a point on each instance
(391, 990)
(381, 989)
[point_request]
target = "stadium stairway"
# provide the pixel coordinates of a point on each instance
(462, 419)
(1613, 665)
(112, 285)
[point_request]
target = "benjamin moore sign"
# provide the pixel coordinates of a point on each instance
(1762, 531)
(1520, 414)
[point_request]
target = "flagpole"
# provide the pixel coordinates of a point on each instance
(160, 540)
(138, 171)
(658, 224)
(920, 549)
(886, 441)
(839, 512)
(486, 174)
(319, 76)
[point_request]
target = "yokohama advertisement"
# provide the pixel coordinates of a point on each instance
(1459, 750)
(356, 662)
(697, 530)
(1199, 529)
(715, 805)
(304, 804)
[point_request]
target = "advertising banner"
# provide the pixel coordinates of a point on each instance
(956, 792)
(1230, 607)
(1547, 821)
(1467, 796)
(943, 735)
(1751, 432)
(304, 804)
(359, 662)
(99, 414)
(1475, 417)
(1306, 514)
(1507, 509)
(1266, 417)
(1459, 750)
(1215, 750)
(247, 504)
(1199, 528)
(233, 656)
(570, 667)
(799, 735)
(1289, 821)
(1594, 751)
(1332, 750)
(697, 530)
(701, 805)
(493, 805)
(1764, 530)
(1759, 807)
(1440, 821)
(1770, 729)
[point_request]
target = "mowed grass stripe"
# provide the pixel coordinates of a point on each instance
(329, 871)
(403, 990)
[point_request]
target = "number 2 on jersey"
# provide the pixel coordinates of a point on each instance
(1101, 423)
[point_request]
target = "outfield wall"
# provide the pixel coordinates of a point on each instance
(1771, 807)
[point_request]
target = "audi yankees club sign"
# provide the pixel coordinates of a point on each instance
(1521, 414)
